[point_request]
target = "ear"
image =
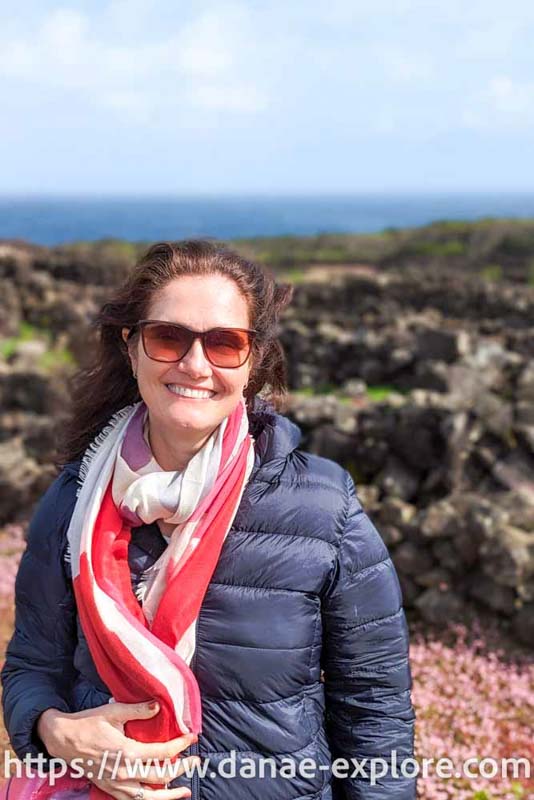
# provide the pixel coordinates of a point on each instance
(250, 370)
(131, 353)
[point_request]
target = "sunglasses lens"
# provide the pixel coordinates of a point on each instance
(165, 342)
(228, 348)
(225, 348)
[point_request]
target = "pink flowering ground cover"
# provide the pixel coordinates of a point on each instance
(473, 692)
(12, 544)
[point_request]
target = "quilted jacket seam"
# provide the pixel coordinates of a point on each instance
(255, 701)
(363, 570)
(346, 515)
(233, 531)
(387, 669)
(305, 483)
(280, 753)
(337, 564)
(316, 627)
(371, 620)
(262, 588)
(257, 647)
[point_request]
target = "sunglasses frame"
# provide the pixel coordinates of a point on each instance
(141, 325)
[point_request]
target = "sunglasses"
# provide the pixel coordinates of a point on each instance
(168, 341)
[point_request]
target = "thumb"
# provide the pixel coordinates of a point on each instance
(122, 712)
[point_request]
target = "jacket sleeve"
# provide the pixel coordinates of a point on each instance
(365, 658)
(38, 668)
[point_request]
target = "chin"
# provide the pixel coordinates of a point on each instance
(191, 417)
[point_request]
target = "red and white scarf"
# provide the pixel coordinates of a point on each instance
(143, 652)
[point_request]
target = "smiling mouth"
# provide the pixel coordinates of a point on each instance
(189, 394)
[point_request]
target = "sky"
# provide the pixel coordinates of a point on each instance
(266, 96)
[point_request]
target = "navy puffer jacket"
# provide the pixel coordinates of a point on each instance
(304, 585)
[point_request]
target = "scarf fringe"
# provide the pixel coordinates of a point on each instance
(95, 445)
(89, 455)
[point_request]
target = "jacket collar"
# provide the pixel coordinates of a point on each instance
(275, 436)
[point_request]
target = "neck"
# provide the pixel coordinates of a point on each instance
(174, 452)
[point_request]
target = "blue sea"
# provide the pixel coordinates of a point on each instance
(54, 220)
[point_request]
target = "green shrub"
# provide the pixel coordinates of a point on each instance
(355, 472)
(293, 275)
(452, 247)
(518, 244)
(379, 393)
(51, 359)
(60, 357)
(321, 388)
(492, 272)
(26, 333)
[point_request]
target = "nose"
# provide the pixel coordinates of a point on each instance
(195, 362)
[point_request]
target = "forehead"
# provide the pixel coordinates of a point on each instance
(201, 302)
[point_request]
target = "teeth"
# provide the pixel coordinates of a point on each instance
(200, 394)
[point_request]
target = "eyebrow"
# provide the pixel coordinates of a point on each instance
(183, 325)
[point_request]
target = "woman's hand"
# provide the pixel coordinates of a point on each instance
(87, 735)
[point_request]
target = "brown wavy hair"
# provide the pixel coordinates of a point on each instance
(106, 384)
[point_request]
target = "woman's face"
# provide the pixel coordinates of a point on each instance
(200, 303)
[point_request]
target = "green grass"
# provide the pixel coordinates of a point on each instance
(293, 276)
(321, 388)
(452, 247)
(107, 249)
(26, 333)
(492, 272)
(54, 357)
(57, 357)
(517, 790)
(375, 393)
(474, 244)
(519, 243)
(379, 393)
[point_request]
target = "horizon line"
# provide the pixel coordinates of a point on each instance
(316, 194)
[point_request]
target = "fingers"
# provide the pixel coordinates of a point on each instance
(122, 712)
(166, 794)
(159, 750)
(163, 773)
(127, 791)
(168, 772)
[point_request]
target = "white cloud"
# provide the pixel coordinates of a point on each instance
(207, 46)
(64, 30)
(401, 66)
(202, 60)
(230, 98)
(504, 103)
(299, 76)
(488, 41)
(511, 97)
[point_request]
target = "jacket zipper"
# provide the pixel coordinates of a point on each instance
(195, 749)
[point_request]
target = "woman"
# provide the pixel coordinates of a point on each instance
(264, 613)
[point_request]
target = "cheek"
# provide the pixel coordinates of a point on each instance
(154, 376)
(234, 386)
(232, 383)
